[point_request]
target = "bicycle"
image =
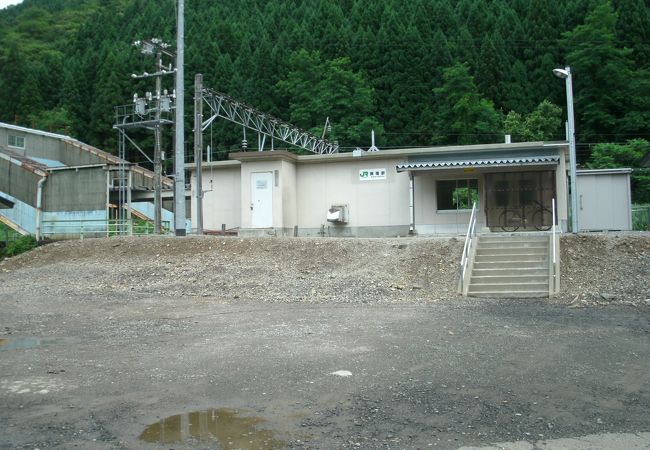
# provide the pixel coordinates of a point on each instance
(511, 219)
(542, 217)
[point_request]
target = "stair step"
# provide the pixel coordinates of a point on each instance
(521, 294)
(510, 271)
(512, 251)
(511, 264)
(520, 244)
(510, 257)
(507, 279)
(508, 287)
(514, 238)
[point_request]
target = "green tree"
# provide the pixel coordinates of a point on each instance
(12, 74)
(543, 124)
(55, 120)
(316, 89)
(630, 154)
(603, 77)
(633, 29)
(464, 117)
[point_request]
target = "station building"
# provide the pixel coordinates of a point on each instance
(424, 191)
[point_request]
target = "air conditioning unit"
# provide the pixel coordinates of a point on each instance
(338, 214)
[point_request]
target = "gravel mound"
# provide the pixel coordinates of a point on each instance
(596, 269)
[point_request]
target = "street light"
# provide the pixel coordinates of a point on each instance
(566, 75)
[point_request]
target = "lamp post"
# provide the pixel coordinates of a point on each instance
(566, 75)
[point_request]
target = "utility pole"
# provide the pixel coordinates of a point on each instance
(179, 153)
(147, 113)
(157, 160)
(198, 149)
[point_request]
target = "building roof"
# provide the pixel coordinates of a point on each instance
(475, 159)
(423, 154)
(32, 131)
(617, 171)
(23, 162)
(49, 163)
(43, 164)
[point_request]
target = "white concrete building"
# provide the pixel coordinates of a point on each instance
(423, 191)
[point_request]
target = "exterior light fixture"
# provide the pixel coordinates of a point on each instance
(565, 74)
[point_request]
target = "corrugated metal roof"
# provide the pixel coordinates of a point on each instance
(47, 162)
(451, 161)
(24, 162)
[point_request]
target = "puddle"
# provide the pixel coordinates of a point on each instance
(224, 426)
(26, 343)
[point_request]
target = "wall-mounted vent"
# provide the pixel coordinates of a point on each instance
(338, 214)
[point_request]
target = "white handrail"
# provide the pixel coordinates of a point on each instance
(553, 266)
(468, 245)
(553, 228)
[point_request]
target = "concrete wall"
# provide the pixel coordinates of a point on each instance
(380, 203)
(35, 144)
(288, 184)
(428, 219)
(305, 187)
(18, 182)
(222, 196)
(75, 190)
(562, 190)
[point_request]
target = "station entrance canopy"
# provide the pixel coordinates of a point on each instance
(458, 160)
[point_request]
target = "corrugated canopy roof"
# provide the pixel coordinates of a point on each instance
(481, 159)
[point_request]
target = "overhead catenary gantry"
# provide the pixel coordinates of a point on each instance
(226, 107)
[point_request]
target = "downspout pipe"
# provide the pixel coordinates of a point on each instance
(39, 205)
(412, 203)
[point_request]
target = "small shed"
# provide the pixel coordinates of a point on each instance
(604, 200)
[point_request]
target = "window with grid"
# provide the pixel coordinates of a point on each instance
(456, 194)
(16, 141)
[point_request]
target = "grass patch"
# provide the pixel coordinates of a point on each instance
(21, 245)
(641, 217)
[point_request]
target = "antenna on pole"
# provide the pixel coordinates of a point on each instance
(373, 148)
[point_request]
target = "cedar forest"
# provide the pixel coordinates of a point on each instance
(418, 72)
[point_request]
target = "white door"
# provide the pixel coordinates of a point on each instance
(262, 199)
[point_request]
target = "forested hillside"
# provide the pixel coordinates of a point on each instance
(419, 72)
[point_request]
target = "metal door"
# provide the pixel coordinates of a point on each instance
(525, 195)
(603, 202)
(262, 199)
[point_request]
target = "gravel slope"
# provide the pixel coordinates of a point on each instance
(596, 269)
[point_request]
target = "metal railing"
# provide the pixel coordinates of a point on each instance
(67, 229)
(553, 260)
(469, 240)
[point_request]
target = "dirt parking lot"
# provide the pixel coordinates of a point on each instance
(317, 343)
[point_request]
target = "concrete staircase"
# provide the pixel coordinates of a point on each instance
(510, 265)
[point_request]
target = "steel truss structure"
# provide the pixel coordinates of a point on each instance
(226, 107)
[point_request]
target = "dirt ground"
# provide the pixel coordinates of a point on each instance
(596, 269)
(227, 343)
